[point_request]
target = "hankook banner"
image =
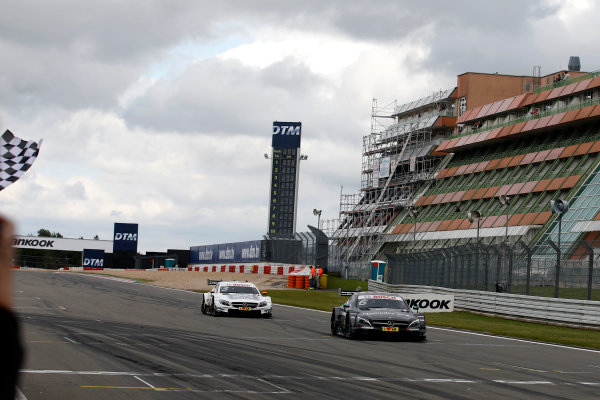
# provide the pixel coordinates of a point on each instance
(429, 302)
(50, 243)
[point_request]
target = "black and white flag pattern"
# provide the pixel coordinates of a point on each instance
(16, 156)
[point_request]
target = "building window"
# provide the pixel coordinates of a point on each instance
(462, 105)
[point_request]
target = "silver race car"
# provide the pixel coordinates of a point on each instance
(234, 297)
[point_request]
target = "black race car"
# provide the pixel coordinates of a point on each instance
(377, 314)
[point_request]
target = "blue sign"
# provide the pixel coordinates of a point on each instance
(93, 258)
(204, 254)
(286, 134)
(126, 237)
(226, 253)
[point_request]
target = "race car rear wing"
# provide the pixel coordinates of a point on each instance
(347, 292)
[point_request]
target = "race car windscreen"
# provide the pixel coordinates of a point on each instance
(239, 289)
(368, 303)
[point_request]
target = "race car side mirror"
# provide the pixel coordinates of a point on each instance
(346, 306)
(212, 290)
(416, 308)
(265, 292)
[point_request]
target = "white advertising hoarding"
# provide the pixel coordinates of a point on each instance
(430, 302)
(50, 243)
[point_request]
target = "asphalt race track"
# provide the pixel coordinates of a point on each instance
(90, 337)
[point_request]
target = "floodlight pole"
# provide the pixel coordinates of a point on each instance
(473, 216)
(412, 210)
(559, 207)
(505, 200)
(507, 217)
(558, 257)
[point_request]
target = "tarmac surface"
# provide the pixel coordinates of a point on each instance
(93, 337)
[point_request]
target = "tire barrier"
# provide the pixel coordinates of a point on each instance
(291, 281)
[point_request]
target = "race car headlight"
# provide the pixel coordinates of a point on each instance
(225, 303)
(262, 304)
(362, 321)
(415, 325)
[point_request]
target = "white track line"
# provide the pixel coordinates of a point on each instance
(283, 378)
(143, 381)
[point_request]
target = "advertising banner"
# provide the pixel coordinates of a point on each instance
(430, 302)
(92, 258)
(286, 134)
(126, 237)
(226, 253)
(51, 243)
(384, 167)
(248, 251)
(207, 254)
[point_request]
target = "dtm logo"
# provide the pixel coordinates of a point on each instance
(93, 262)
(286, 130)
(126, 236)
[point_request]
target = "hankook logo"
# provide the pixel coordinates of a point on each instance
(33, 243)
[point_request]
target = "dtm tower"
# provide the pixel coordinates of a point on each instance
(285, 164)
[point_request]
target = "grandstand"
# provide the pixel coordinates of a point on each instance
(525, 139)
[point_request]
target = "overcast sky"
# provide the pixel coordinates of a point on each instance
(159, 112)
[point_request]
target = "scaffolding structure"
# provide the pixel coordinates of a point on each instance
(397, 161)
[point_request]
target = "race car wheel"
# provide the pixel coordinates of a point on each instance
(334, 326)
(348, 333)
(203, 306)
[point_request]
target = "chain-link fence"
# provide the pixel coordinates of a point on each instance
(308, 248)
(514, 268)
(45, 261)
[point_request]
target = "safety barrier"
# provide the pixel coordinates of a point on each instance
(568, 312)
(233, 268)
(262, 268)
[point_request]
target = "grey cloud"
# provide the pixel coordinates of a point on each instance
(76, 55)
(75, 191)
(226, 96)
(33, 81)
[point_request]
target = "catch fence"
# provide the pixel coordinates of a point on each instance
(572, 272)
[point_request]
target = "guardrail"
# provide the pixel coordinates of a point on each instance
(566, 312)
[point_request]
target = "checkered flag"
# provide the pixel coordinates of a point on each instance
(16, 156)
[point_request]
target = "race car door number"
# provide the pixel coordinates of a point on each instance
(389, 328)
(245, 308)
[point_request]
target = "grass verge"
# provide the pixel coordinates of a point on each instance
(326, 300)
